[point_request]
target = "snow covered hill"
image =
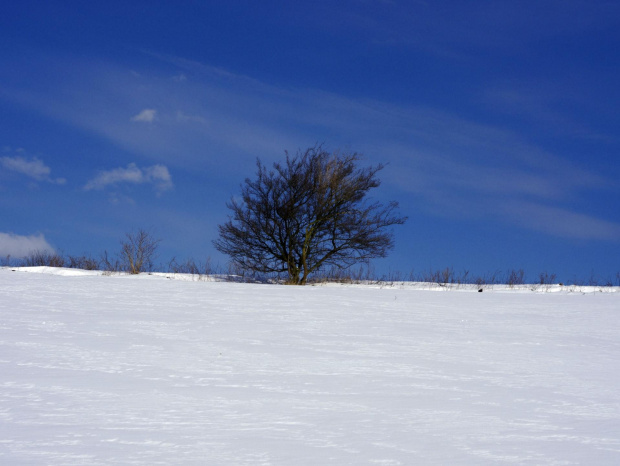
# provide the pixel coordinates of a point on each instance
(121, 370)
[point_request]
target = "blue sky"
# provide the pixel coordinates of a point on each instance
(498, 121)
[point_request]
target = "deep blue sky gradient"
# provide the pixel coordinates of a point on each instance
(498, 121)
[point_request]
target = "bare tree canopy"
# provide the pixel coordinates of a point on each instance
(308, 213)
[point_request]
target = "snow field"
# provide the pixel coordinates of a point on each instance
(98, 370)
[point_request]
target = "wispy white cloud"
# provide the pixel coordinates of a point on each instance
(216, 119)
(562, 222)
(18, 246)
(147, 115)
(455, 27)
(158, 175)
(541, 105)
(33, 168)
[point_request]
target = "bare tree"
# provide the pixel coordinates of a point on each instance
(307, 213)
(138, 251)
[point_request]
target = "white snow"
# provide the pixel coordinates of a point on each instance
(120, 370)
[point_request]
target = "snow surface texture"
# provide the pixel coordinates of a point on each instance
(122, 370)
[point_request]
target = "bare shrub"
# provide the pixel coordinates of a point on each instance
(39, 258)
(515, 277)
(447, 276)
(83, 262)
(392, 276)
(337, 275)
(546, 278)
(187, 267)
(332, 275)
(138, 251)
(463, 278)
(441, 277)
(432, 276)
(110, 264)
(191, 267)
(487, 280)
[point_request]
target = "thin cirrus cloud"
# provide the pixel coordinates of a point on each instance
(212, 116)
(561, 222)
(147, 115)
(18, 246)
(32, 168)
(157, 175)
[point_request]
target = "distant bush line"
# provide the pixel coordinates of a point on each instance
(446, 277)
